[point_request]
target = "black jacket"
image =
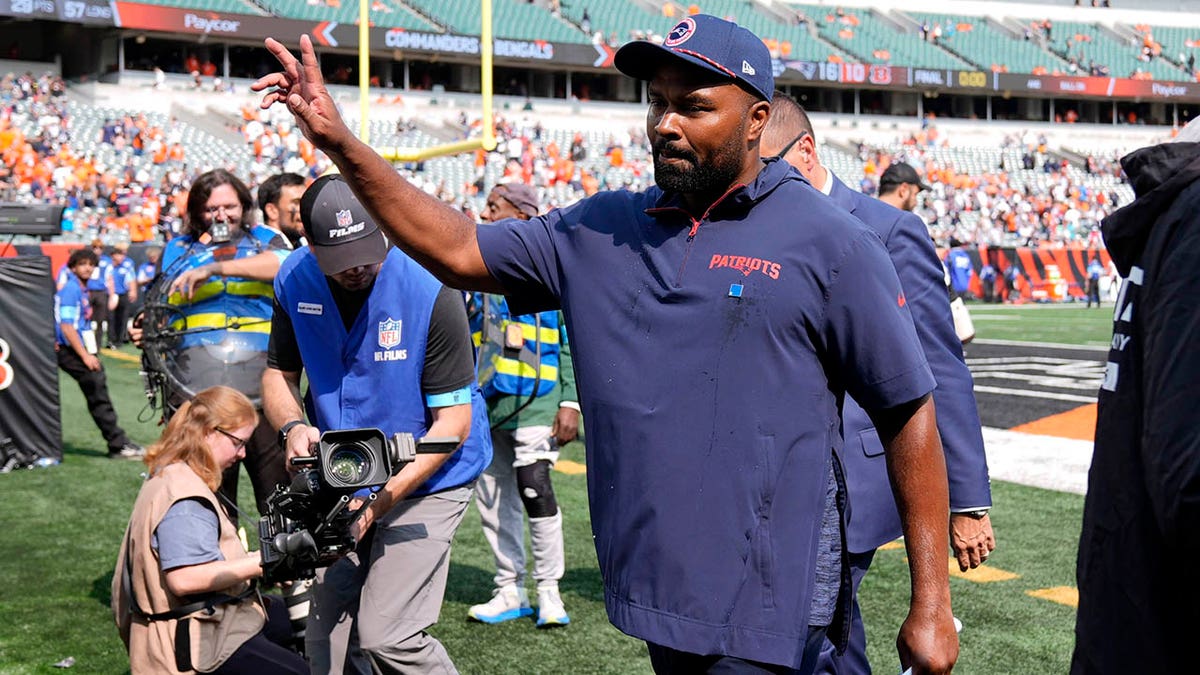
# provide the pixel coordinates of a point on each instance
(1139, 603)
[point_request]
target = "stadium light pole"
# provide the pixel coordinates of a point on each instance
(364, 70)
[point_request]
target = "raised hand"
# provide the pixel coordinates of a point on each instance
(301, 88)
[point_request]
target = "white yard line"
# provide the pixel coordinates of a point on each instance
(1054, 396)
(1039, 461)
(1023, 343)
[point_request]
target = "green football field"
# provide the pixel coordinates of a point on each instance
(1072, 324)
(63, 526)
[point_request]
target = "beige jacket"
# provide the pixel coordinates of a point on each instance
(151, 643)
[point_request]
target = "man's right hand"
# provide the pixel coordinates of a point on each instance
(301, 88)
(927, 641)
(300, 441)
(92, 363)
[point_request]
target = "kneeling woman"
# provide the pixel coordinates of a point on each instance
(183, 590)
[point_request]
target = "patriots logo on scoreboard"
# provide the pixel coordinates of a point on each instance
(389, 332)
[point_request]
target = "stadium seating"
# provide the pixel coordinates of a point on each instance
(1088, 42)
(621, 18)
(976, 40)
(233, 6)
(389, 13)
(510, 19)
(872, 40)
(1177, 42)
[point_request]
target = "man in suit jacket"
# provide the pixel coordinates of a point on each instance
(871, 512)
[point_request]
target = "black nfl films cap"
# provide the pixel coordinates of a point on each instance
(898, 173)
(340, 232)
(716, 45)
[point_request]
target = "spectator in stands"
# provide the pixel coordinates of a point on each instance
(873, 520)
(76, 348)
(665, 551)
(279, 200)
(1143, 497)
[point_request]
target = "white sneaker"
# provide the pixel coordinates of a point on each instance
(551, 612)
(507, 603)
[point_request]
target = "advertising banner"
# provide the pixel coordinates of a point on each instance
(987, 82)
(29, 404)
(73, 11)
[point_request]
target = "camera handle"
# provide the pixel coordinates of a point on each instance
(342, 504)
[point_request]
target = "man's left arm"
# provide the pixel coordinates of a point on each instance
(566, 420)
(922, 278)
(872, 351)
(259, 267)
(917, 470)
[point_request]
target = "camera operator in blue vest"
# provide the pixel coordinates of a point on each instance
(384, 345)
(528, 381)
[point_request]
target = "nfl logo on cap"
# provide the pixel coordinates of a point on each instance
(344, 218)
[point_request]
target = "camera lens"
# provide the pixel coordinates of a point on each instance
(350, 464)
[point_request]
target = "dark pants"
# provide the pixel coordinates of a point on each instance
(1093, 292)
(116, 323)
(667, 661)
(989, 290)
(266, 653)
(264, 462)
(99, 303)
(95, 390)
(854, 660)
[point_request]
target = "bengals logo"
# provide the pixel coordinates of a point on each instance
(681, 33)
(6, 370)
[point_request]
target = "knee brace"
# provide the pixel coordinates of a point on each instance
(533, 481)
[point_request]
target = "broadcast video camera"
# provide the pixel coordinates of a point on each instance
(307, 524)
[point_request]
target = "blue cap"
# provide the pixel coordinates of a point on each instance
(717, 45)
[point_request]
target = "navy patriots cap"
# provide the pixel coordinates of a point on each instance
(716, 45)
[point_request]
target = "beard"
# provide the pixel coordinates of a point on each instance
(693, 176)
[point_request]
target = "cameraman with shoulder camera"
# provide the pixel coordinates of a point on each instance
(384, 345)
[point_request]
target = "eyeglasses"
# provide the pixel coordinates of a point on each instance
(228, 208)
(238, 442)
(786, 148)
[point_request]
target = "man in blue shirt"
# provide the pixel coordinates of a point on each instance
(717, 319)
(383, 345)
(121, 280)
(76, 351)
(99, 297)
(959, 264)
(1094, 271)
(987, 279)
(872, 517)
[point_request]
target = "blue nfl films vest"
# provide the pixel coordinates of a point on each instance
(516, 354)
(371, 376)
(226, 311)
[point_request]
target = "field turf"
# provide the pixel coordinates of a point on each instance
(62, 527)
